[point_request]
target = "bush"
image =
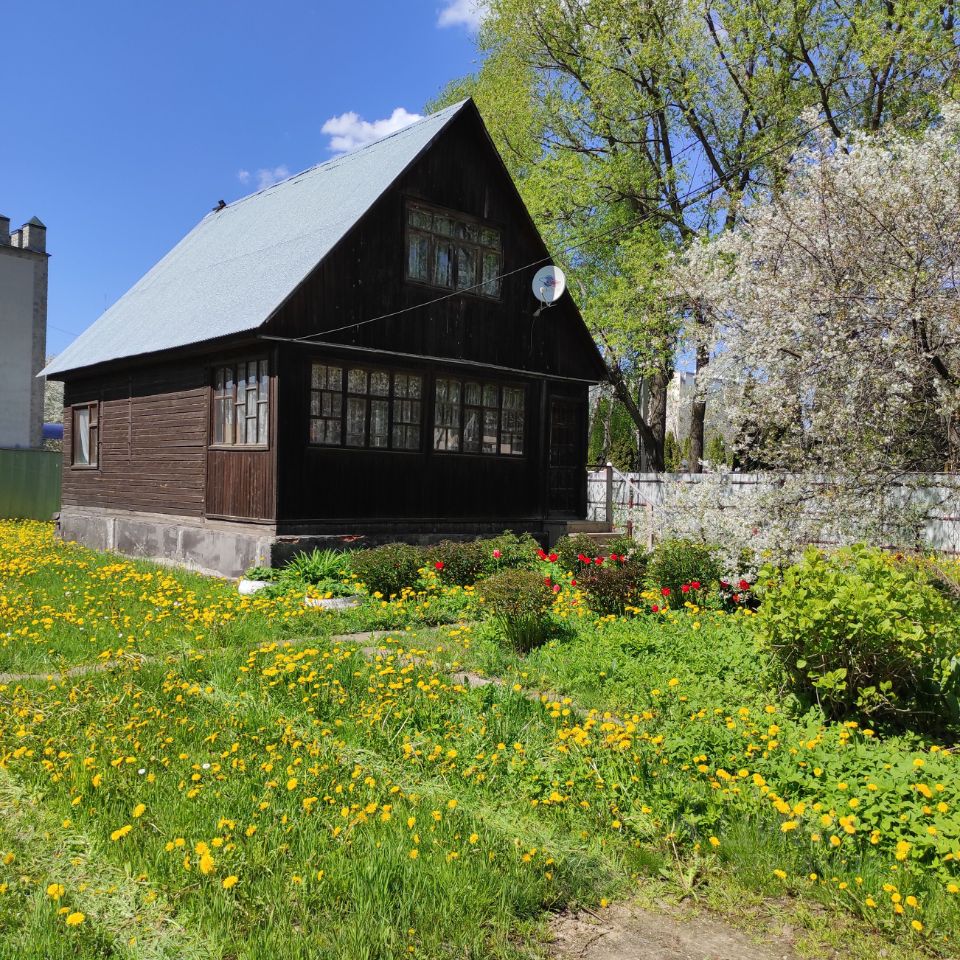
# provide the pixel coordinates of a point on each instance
(388, 569)
(519, 601)
(463, 563)
(674, 563)
(613, 585)
(865, 633)
(570, 548)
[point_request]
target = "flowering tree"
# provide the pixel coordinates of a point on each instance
(837, 309)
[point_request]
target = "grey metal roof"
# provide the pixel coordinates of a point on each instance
(239, 264)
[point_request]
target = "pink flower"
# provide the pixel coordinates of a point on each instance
(556, 588)
(497, 554)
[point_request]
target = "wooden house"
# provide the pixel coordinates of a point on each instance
(350, 356)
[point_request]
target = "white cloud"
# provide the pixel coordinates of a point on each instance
(463, 13)
(350, 131)
(265, 176)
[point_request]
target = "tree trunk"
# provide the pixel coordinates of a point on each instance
(659, 383)
(698, 413)
(607, 425)
(625, 395)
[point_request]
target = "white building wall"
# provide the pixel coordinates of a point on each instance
(23, 320)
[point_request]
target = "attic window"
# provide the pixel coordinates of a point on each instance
(453, 252)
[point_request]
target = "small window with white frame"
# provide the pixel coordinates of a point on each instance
(241, 404)
(85, 437)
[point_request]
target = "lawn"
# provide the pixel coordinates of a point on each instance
(187, 773)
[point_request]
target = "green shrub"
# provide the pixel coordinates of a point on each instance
(674, 563)
(519, 601)
(865, 633)
(514, 552)
(570, 548)
(623, 546)
(388, 569)
(462, 563)
(613, 585)
(269, 574)
(315, 567)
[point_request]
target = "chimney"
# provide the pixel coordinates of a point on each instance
(34, 235)
(4, 231)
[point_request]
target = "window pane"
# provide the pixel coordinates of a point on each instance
(262, 423)
(419, 218)
(491, 273)
(443, 265)
(379, 420)
(318, 376)
(228, 409)
(443, 225)
(471, 393)
(446, 433)
(466, 267)
(356, 421)
(418, 257)
(471, 431)
(380, 383)
(406, 437)
(220, 379)
(489, 395)
(264, 381)
(81, 436)
(357, 381)
(219, 419)
(414, 386)
(335, 378)
(490, 431)
(512, 398)
(490, 238)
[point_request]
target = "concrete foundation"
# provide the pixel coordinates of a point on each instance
(228, 549)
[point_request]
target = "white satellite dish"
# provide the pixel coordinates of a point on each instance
(548, 286)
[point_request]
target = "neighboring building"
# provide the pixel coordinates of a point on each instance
(23, 332)
(350, 353)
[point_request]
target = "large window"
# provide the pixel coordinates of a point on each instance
(453, 252)
(241, 404)
(475, 417)
(85, 427)
(365, 407)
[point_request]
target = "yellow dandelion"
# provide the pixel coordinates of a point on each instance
(75, 919)
(55, 891)
(230, 881)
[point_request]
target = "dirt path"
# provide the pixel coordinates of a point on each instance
(626, 932)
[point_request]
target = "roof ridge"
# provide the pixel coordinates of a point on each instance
(340, 157)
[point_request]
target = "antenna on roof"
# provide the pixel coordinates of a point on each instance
(220, 205)
(548, 286)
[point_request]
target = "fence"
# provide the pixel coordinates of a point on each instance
(29, 484)
(623, 499)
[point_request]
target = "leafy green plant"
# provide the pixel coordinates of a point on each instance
(519, 602)
(388, 569)
(269, 574)
(675, 563)
(459, 563)
(510, 551)
(315, 567)
(865, 633)
(570, 548)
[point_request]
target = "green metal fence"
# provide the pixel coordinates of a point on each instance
(29, 484)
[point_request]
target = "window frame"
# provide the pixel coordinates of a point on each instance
(93, 435)
(346, 394)
(236, 406)
(482, 249)
(500, 386)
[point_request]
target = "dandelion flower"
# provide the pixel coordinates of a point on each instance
(206, 864)
(55, 891)
(75, 919)
(139, 810)
(230, 881)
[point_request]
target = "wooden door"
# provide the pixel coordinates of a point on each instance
(566, 470)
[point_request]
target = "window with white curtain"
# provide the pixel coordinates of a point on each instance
(86, 435)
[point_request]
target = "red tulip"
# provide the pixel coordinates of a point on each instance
(553, 558)
(439, 564)
(695, 584)
(655, 609)
(685, 588)
(665, 591)
(497, 554)
(743, 585)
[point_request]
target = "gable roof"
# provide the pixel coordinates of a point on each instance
(240, 263)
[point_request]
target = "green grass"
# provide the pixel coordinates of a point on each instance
(311, 772)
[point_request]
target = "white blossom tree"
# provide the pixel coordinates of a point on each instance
(837, 308)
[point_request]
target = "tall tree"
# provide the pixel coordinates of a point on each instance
(646, 124)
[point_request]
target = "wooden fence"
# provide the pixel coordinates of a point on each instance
(29, 484)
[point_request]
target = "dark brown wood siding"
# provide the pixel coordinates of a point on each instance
(153, 440)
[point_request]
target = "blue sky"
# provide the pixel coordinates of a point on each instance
(123, 123)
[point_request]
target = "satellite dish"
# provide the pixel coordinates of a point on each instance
(548, 286)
